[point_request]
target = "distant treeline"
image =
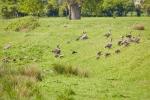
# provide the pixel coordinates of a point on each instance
(89, 8)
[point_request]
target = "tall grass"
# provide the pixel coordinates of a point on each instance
(15, 85)
(32, 71)
(70, 70)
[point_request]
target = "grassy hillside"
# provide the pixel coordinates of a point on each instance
(120, 76)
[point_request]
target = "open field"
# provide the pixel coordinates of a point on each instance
(120, 76)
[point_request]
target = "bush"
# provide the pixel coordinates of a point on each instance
(9, 11)
(24, 24)
(138, 27)
(69, 70)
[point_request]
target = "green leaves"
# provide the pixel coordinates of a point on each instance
(32, 7)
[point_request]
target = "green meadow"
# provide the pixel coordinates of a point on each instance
(122, 76)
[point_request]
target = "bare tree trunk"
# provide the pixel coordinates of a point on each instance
(74, 12)
(138, 12)
(69, 7)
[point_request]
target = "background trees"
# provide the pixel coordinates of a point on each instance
(8, 8)
(31, 7)
(92, 8)
(73, 8)
(146, 6)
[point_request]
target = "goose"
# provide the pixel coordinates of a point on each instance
(108, 34)
(117, 51)
(137, 39)
(120, 41)
(57, 51)
(109, 45)
(126, 43)
(129, 35)
(84, 36)
(74, 52)
(107, 54)
(98, 54)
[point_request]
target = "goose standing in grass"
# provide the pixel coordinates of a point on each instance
(107, 54)
(109, 45)
(117, 51)
(57, 51)
(129, 35)
(137, 39)
(120, 41)
(98, 55)
(74, 52)
(126, 42)
(107, 35)
(84, 36)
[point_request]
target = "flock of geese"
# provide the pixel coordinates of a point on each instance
(124, 41)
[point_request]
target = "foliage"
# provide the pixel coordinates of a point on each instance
(117, 7)
(16, 8)
(23, 24)
(31, 7)
(51, 8)
(94, 10)
(8, 8)
(147, 7)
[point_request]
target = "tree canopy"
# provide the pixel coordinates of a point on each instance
(15, 8)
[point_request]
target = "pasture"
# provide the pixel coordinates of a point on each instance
(125, 75)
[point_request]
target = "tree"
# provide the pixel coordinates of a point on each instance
(51, 8)
(31, 7)
(8, 8)
(92, 8)
(147, 7)
(128, 6)
(74, 7)
(114, 7)
(138, 6)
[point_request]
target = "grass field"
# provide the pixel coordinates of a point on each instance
(124, 76)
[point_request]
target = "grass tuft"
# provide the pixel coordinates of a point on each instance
(17, 86)
(70, 70)
(32, 71)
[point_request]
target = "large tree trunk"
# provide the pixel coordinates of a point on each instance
(138, 12)
(74, 11)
